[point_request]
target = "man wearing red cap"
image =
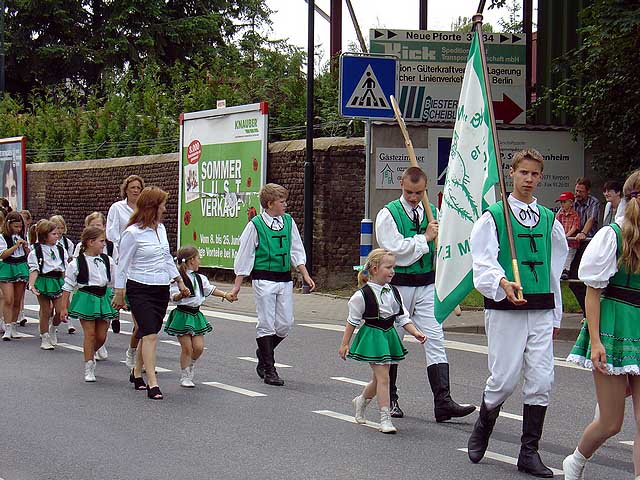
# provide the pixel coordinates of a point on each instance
(570, 220)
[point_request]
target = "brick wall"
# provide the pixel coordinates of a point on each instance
(75, 189)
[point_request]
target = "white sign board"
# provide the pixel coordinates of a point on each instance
(390, 163)
(432, 67)
(564, 161)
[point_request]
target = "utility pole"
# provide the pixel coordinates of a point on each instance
(1, 46)
(308, 163)
(335, 43)
(424, 7)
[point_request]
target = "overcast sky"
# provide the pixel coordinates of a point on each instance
(290, 18)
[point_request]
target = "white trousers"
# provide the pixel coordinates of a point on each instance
(519, 340)
(419, 301)
(274, 307)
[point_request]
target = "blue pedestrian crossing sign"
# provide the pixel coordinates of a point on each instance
(366, 83)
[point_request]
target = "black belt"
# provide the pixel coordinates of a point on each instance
(535, 301)
(94, 290)
(627, 295)
(272, 276)
(15, 260)
(382, 323)
(52, 274)
(187, 309)
(413, 279)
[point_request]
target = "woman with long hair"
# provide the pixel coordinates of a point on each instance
(117, 220)
(146, 268)
(608, 344)
(14, 271)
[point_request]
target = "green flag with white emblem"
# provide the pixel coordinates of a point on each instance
(468, 189)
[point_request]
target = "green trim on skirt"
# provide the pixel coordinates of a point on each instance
(183, 323)
(374, 345)
(49, 286)
(87, 306)
(14, 272)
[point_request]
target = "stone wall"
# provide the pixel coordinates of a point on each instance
(75, 189)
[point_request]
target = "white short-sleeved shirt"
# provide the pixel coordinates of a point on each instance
(18, 252)
(51, 260)
(197, 299)
(97, 273)
(387, 304)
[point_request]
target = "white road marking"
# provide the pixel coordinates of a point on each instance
(512, 416)
(124, 332)
(324, 326)
(158, 369)
(23, 335)
(170, 342)
(255, 360)
(231, 388)
(70, 347)
(510, 460)
(627, 442)
(346, 418)
(350, 380)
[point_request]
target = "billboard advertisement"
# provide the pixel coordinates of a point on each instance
(223, 154)
(13, 166)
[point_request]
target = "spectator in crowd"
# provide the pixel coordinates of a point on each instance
(588, 208)
(612, 192)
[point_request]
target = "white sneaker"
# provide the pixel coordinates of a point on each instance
(192, 372)
(101, 354)
(53, 334)
(45, 342)
(360, 404)
(185, 380)
(572, 468)
(385, 421)
(130, 357)
(90, 371)
(2, 326)
(14, 330)
(7, 332)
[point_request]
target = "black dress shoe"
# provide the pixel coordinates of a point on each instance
(115, 325)
(395, 411)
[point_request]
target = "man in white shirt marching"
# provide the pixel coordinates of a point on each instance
(402, 228)
(519, 331)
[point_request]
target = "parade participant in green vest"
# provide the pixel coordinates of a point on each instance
(608, 342)
(269, 245)
(403, 229)
(519, 331)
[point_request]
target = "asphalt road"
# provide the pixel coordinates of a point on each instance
(56, 426)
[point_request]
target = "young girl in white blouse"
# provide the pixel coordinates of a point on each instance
(608, 343)
(379, 306)
(47, 263)
(89, 275)
(186, 321)
(14, 271)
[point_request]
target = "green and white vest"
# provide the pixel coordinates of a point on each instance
(273, 253)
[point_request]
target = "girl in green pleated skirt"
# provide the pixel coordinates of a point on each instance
(47, 263)
(380, 306)
(609, 344)
(14, 271)
(89, 276)
(186, 321)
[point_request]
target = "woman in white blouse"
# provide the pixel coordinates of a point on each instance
(146, 268)
(117, 220)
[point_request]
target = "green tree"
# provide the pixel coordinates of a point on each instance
(513, 23)
(465, 24)
(601, 91)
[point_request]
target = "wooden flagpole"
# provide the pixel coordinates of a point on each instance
(414, 163)
(477, 27)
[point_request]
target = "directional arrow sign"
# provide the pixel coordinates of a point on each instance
(391, 34)
(377, 34)
(506, 110)
(515, 38)
(503, 38)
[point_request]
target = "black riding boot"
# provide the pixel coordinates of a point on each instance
(265, 347)
(260, 366)
(395, 410)
(529, 460)
(444, 406)
(479, 439)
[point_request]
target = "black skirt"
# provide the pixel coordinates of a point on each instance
(148, 306)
